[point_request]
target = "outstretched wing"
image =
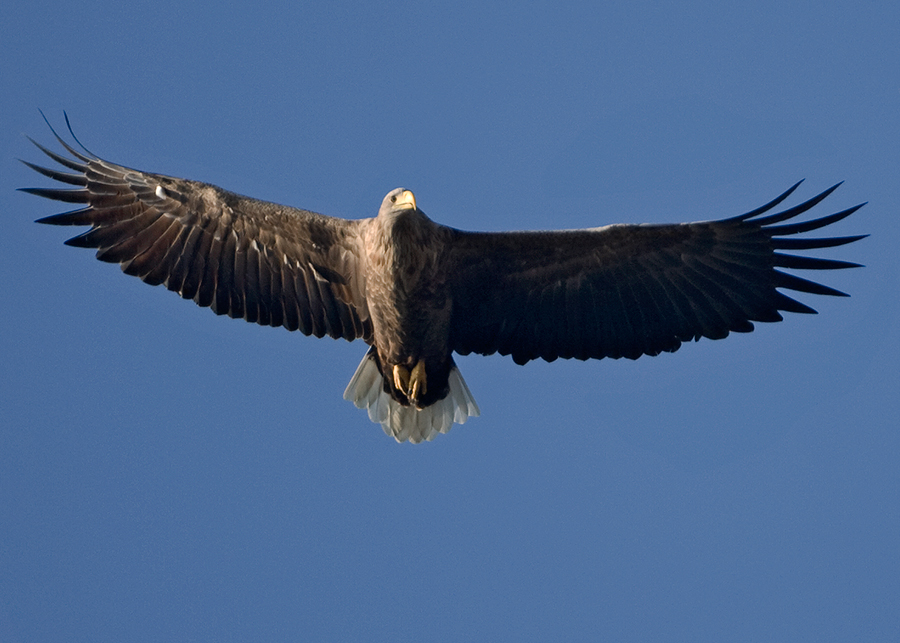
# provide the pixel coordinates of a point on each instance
(266, 263)
(630, 290)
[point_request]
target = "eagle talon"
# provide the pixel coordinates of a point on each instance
(401, 379)
(417, 381)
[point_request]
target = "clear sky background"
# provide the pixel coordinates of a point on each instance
(170, 475)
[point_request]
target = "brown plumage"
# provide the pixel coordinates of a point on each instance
(417, 291)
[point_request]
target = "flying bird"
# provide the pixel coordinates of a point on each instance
(416, 291)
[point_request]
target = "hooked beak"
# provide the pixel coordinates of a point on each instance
(405, 198)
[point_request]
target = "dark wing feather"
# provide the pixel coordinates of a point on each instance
(266, 263)
(630, 290)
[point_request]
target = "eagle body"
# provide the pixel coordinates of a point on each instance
(416, 291)
(409, 302)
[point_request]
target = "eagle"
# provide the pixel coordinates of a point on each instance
(417, 291)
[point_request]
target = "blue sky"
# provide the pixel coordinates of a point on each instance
(166, 474)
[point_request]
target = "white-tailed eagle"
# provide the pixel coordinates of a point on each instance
(416, 291)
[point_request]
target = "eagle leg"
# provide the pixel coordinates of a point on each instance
(401, 379)
(417, 381)
(413, 384)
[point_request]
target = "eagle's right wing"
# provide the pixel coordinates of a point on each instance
(266, 263)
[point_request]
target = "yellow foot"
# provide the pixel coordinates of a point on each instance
(417, 382)
(412, 385)
(401, 379)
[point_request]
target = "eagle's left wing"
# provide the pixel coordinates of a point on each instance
(630, 290)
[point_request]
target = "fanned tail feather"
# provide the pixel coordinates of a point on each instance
(407, 423)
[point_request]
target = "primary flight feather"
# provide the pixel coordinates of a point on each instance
(416, 291)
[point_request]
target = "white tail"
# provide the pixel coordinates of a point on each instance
(403, 423)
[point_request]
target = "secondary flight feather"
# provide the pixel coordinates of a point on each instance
(416, 291)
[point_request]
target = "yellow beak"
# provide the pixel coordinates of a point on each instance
(405, 198)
